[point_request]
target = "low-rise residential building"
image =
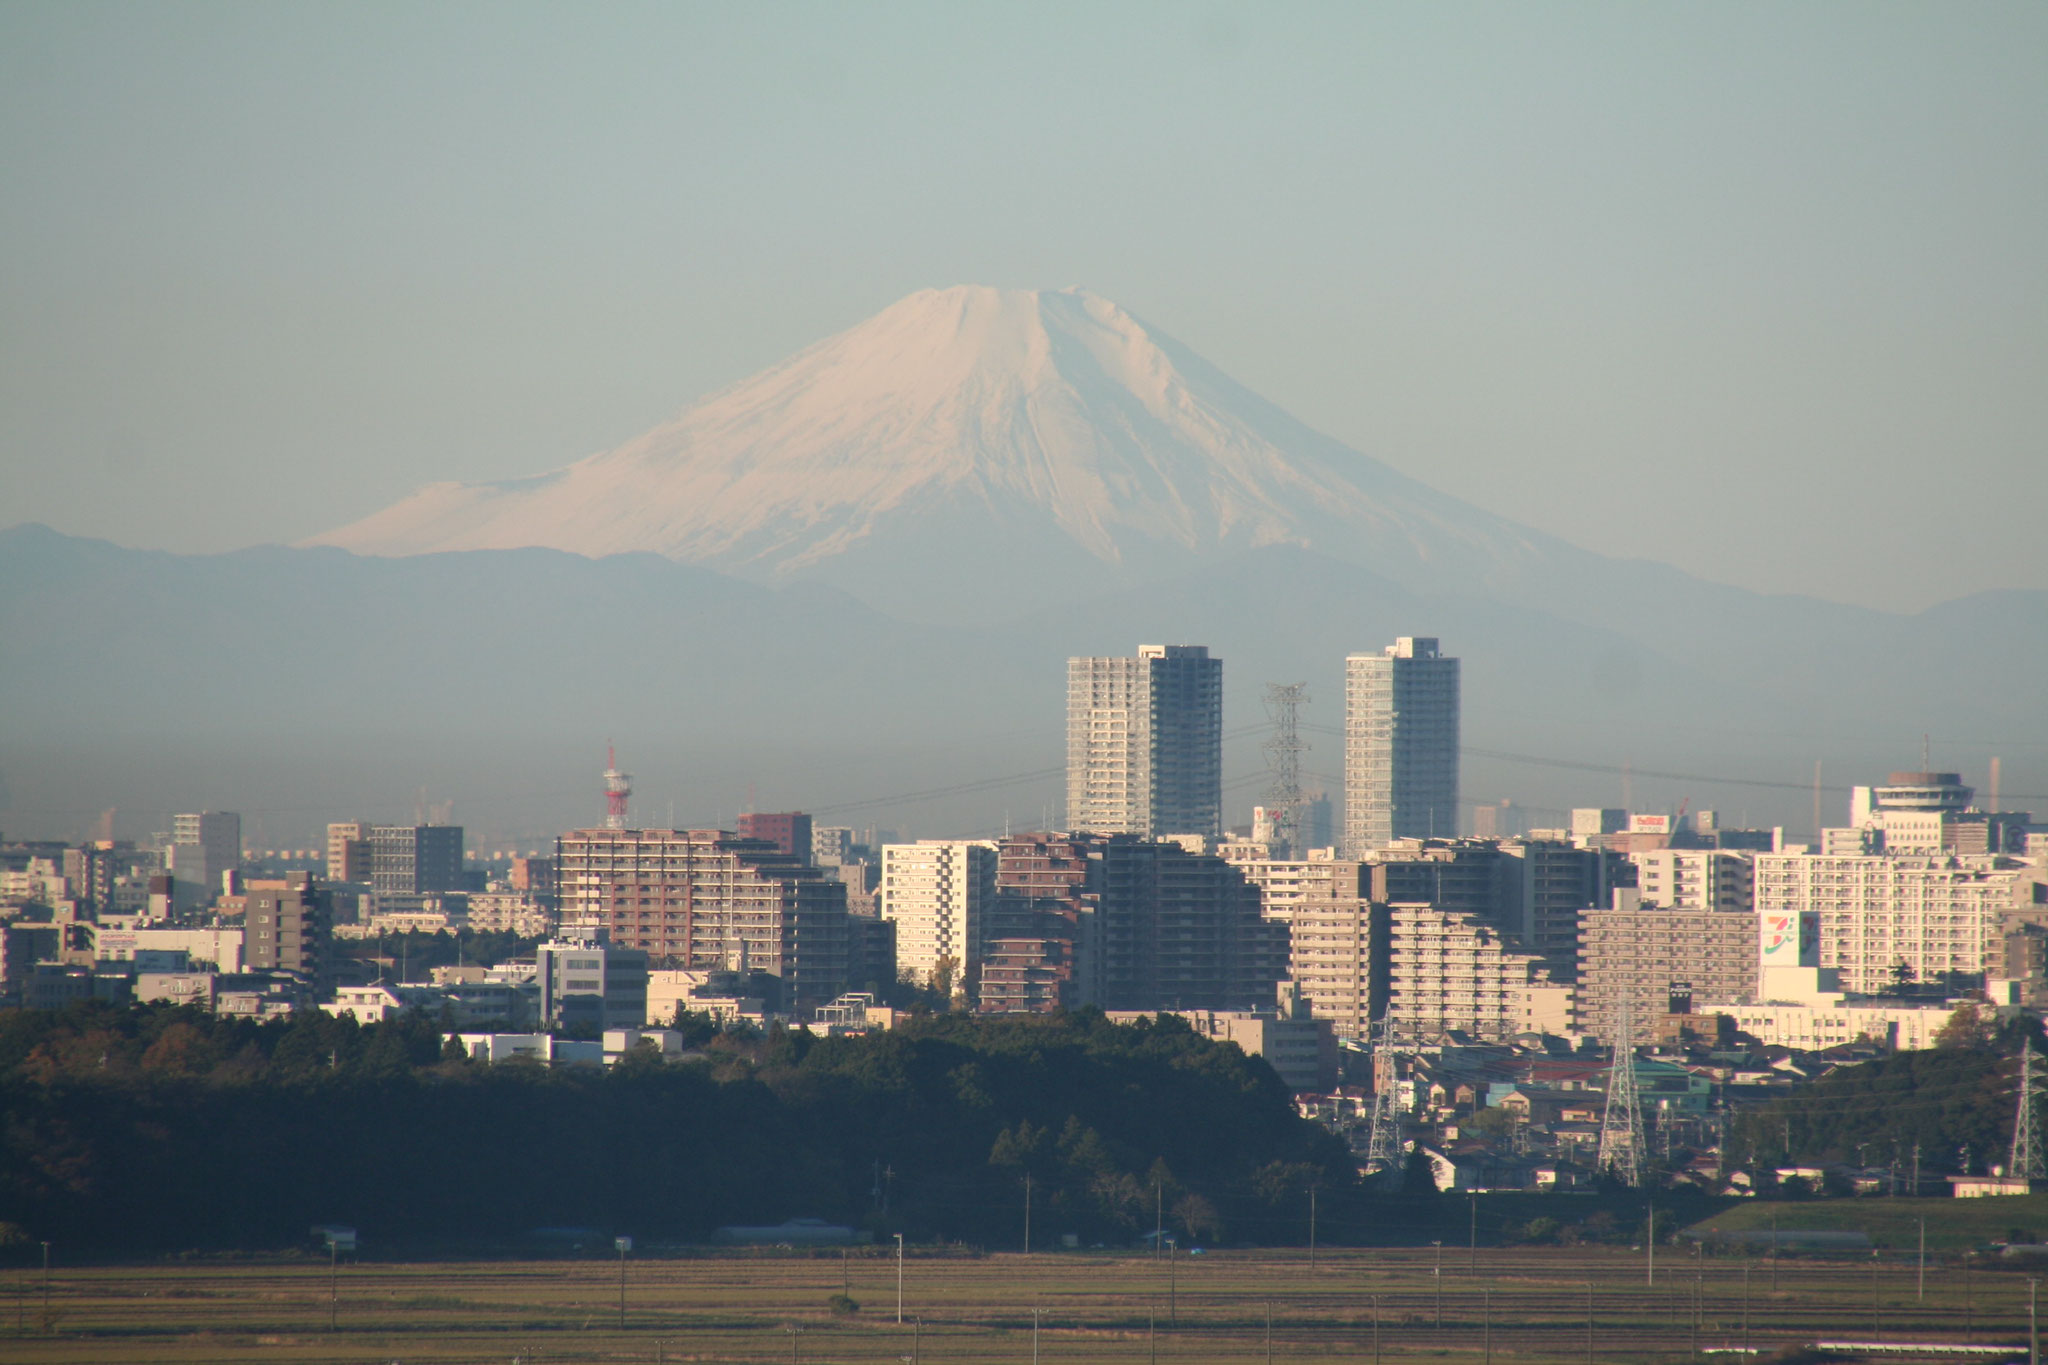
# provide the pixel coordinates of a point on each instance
(1301, 1049)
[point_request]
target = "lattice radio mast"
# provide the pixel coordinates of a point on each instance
(1621, 1125)
(2027, 1161)
(618, 787)
(1284, 798)
(1383, 1155)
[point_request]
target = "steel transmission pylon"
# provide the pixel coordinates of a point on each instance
(1621, 1124)
(1383, 1154)
(2027, 1163)
(1284, 798)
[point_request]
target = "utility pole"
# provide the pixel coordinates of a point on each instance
(1158, 1219)
(1311, 1228)
(1921, 1293)
(46, 1288)
(1269, 1332)
(1027, 1213)
(1589, 1322)
(1438, 1276)
(1472, 1265)
(899, 1279)
(1485, 1323)
(624, 1244)
(2033, 1324)
(1034, 1336)
(1650, 1246)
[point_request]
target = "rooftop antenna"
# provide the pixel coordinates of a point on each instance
(1992, 805)
(618, 787)
(1816, 805)
(1621, 1124)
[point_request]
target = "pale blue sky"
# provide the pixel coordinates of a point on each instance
(1748, 288)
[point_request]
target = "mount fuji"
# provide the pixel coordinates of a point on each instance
(971, 440)
(860, 571)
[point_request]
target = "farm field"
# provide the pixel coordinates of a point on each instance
(1953, 1225)
(1526, 1305)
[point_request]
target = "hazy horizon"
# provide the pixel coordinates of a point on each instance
(1751, 291)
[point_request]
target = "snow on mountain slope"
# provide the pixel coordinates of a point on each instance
(974, 430)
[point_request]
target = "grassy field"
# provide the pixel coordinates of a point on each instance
(1524, 1305)
(1953, 1225)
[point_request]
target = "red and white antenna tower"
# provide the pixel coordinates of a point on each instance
(617, 787)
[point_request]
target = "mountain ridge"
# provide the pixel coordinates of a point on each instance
(1035, 420)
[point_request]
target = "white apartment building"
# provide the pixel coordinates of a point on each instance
(1697, 879)
(1455, 971)
(1287, 882)
(1337, 959)
(1934, 913)
(1813, 1027)
(1145, 742)
(1400, 745)
(939, 893)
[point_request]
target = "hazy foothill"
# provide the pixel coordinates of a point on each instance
(943, 502)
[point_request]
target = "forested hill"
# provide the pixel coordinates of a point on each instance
(159, 1128)
(1950, 1100)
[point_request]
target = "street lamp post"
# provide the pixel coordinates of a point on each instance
(623, 1245)
(792, 1342)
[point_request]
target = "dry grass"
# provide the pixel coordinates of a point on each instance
(1527, 1305)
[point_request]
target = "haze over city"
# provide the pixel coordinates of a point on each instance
(716, 682)
(1748, 293)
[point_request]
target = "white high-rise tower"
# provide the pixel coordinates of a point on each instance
(1145, 742)
(1400, 745)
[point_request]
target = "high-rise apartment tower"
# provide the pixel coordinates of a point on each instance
(1400, 745)
(1145, 742)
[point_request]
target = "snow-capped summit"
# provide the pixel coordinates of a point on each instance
(992, 436)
